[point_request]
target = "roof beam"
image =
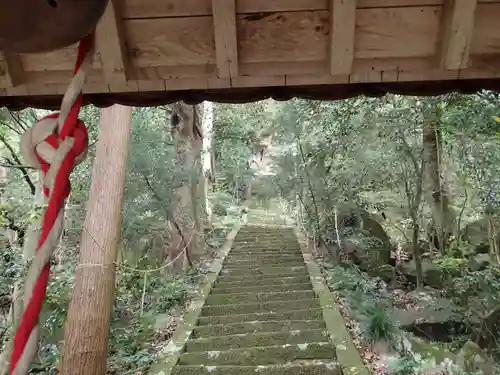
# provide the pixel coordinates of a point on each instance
(342, 34)
(110, 46)
(457, 33)
(226, 43)
(14, 73)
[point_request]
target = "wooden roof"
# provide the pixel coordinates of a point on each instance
(150, 52)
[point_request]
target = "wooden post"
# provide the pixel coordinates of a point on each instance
(85, 346)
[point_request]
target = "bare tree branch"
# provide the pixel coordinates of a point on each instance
(17, 161)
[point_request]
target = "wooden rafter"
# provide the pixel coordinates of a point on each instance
(342, 33)
(226, 44)
(110, 46)
(457, 33)
(14, 74)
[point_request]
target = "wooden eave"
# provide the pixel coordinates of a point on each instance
(151, 52)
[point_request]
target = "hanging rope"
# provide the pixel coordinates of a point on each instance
(54, 145)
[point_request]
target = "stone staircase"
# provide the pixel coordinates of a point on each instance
(262, 315)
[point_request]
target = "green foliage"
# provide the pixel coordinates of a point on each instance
(352, 282)
(377, 324)
(477, 290)
(405, 364)
(451, 265)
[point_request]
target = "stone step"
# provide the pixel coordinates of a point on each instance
(257, 238)
(275, 260)
(246, 340)
(227, 281)
(264, 259)
(264, 355)
(267, 244)
(253, 251)
(260, 253)
(267, 265)
(288, 287)
(235, 298)
(269, 270)
(250, 308)
(315, 367)
(256, 326)
(304, 314)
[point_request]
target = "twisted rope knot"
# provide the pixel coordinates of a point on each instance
(44, 149)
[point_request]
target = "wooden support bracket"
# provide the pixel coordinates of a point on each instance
(226, 44)
(342, 35)
(110, 46)
(457, 33)
(14, 73)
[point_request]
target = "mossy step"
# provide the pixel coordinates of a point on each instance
(260, 238)
(246, 340)
(265, 270)
(315, 367)
(265, 259)
(269, 253)
(256, 326)
(266, 244)
(304, 314)
(249, 308)
(263, 253)
(242, 281)
(235, 297)
(264, 355)
(292, 287)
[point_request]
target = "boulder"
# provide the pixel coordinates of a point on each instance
(472, 359)
(487, 331)
(479, 262)
(476, 234)
(366, 251)
(431, 323)
(385, 272)
(349, 216)
(432, 274)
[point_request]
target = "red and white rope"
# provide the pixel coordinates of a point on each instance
(54, 145)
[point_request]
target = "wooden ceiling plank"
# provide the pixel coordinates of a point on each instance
(110, 46)
(457, 33)
(342, 35)
(14, 73)
(226, 43)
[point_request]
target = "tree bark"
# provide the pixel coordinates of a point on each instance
(207, 131)
(85, 346)
(188, 236)
(417, 256)
(437, 197)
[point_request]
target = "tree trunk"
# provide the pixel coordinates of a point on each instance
(85, 348)
(187, 234)
(207, 131)
(417, 256)
(436, 192)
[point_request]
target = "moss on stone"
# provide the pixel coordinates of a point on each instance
(315, 368)
(305, 314)
(262, 288)
(239, 281)
(256, 326)
(274, 306)
(266, 355)
(227, 299)
(246, 340)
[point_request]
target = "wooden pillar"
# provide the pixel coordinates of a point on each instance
(85, 346)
